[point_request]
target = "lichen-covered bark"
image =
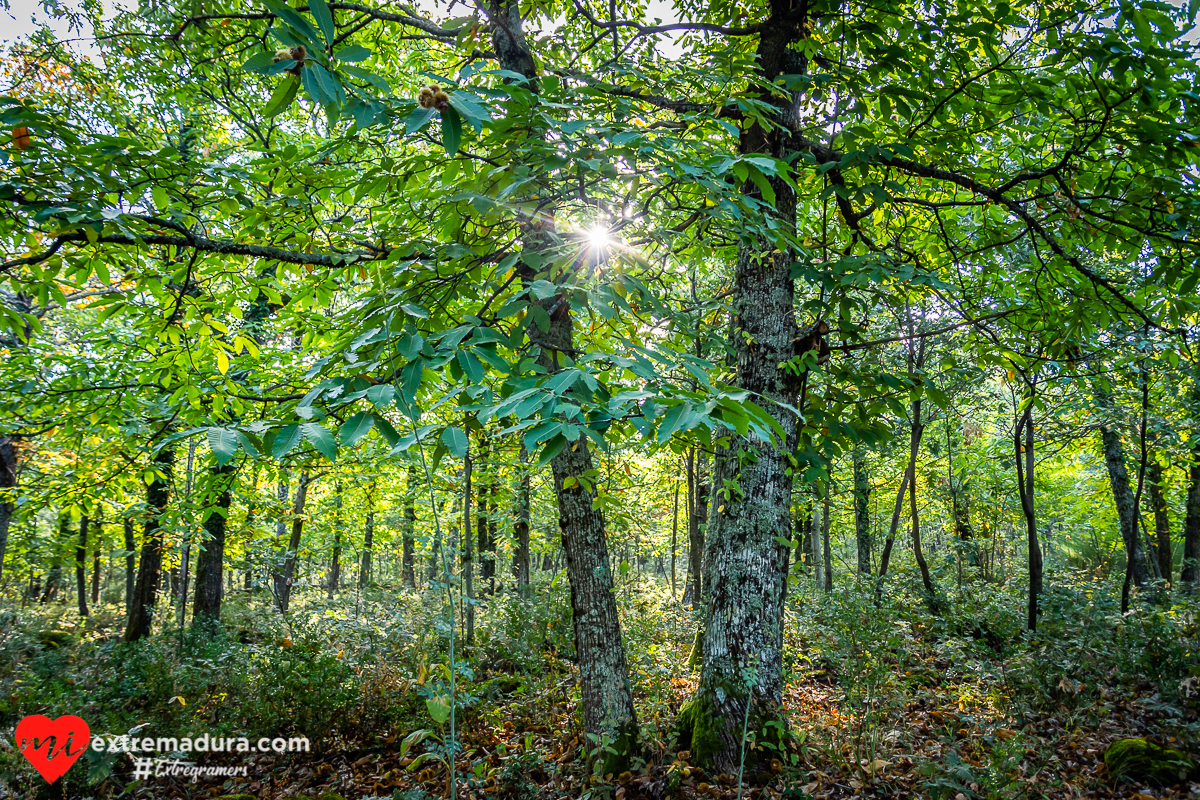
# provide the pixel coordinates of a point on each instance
(1118, 478)
(521, 527)
(206, 607)
(130, 562)
(1189, 573)
(141, 610)
(606, 695)
(745, 567)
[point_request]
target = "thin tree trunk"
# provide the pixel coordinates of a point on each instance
(820, 511)
(130, 562)
(521, 526)
(410, 528)
(277, 552)
(862, 511)
(97, 539)
(1189, 572)
(335, 566)
(1025, 464)
(81, 566)
(487, 547)
(926, 580)
(1162, 520)
(1123, 497)
(206, 606)
(468, 556)
(283, 587)
(828, 584)
(141, 610)
(364, 572)
(8, 485)
(674, 536)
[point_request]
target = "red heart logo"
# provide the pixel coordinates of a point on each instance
(49, 743)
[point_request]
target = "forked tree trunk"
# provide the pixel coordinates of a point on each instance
(141, 610)
(206, 607)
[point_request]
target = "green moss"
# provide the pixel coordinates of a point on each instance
(696, 657)
(1140, 760)
(619, 756)
(53, 640)
(698, 733)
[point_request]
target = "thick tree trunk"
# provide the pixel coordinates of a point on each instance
(862, 511)
(141, 610)
(8, 485)
(606, 695)
(283, 586)
(206, 606)
(410, 529)
(1189, 573)
(81, 566)
(1162, 521)
(1118, 477)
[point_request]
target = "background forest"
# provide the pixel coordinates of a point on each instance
(539, 399)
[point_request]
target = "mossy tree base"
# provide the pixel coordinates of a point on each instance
(712, 732)
(1140, 760)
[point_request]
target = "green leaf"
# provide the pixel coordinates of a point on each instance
(327, 85)
(439, 709)
(381, 395)
(355, 428)
(223, 443)
(354, 53)
(295, 21)
(259, 62)
(283, 96)
(471, 366)
(456, 441)
(451, 131)
(386, 430)
(319, 437)
(287, 438)
(552, 448)
(418, 119)
(324, 17)
(161, 200)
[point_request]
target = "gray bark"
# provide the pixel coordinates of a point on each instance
(283, 585)
(1118, 477)
(410, 529)
(141, 610)
(862, 511)
(81, 566)
(206, 605)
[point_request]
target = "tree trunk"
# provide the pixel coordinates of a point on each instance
(81, 566)
(141, 610)
(277, 552)
(1118, 477)
(862, 511)
(410, 528)
(364, 572)
(130, 563)
(1025, 464)
(335, 565)
(1162, 521)
(283, 586)
(745, 567)
(487, 547)
(206, 606)
(468, 556)
(96, 542)
(674, 536)
(828, 551)
(521, 526)
(8, 485)
(606, 695)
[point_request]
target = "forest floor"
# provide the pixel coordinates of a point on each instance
(960, 705)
